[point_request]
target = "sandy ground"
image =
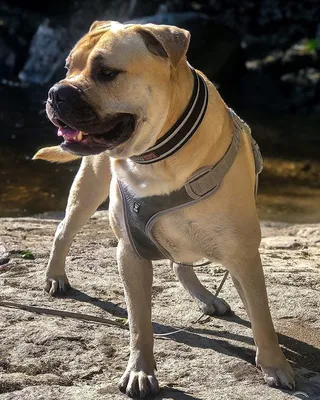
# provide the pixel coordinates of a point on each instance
(49, 357)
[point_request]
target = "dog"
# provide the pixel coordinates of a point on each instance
(126, 88)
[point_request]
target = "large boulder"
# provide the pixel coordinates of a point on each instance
(16, 30)
(56, 35)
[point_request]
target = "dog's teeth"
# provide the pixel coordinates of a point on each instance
(79, 137)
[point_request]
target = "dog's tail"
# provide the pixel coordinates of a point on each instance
(54, 154)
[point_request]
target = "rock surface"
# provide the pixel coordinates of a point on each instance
(49, 357)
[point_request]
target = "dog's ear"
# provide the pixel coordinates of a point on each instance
(54, 154)
(165, 41)
(100, 25)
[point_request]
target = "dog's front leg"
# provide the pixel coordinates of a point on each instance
(89, 189)
(139, 379)
(249, 281)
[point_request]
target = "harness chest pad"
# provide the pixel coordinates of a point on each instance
(142, 212)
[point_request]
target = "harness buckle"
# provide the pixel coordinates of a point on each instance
(198, 188)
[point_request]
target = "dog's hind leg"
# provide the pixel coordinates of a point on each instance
(89, 189)
(247, 274)
(209, 304)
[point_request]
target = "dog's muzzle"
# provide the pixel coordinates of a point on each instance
(83, 131)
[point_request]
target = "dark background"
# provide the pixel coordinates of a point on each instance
(263, 55)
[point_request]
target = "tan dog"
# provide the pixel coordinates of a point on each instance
(126, 86)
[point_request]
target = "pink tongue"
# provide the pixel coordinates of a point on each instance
(68, 133)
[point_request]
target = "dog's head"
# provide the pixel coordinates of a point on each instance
(116, 93)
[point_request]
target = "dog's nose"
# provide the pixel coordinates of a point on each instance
(58, 94)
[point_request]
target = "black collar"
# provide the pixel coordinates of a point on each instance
(183, 129)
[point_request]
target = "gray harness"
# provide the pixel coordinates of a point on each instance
(141, 213)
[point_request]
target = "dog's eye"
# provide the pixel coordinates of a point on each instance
(108, 74)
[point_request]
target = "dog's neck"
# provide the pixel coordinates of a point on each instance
(182, 88)
(184, 127)
(206, 146)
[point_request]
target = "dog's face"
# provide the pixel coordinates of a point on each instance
(116, 94)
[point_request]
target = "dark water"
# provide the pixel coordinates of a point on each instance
(32, 187)
(289, 185)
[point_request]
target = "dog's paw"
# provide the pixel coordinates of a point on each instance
(138, 384)
(279, 375)
(215, 307)
(57, 284)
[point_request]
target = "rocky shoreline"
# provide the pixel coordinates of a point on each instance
(52, 357)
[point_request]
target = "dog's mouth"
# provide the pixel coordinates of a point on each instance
(119, 129)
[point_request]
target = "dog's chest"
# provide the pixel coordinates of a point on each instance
(184, 237)
(181, 234)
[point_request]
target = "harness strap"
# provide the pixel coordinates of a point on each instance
(208, 178)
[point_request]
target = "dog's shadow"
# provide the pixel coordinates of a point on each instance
(105, 305)
(300, 353)
(176, 394)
